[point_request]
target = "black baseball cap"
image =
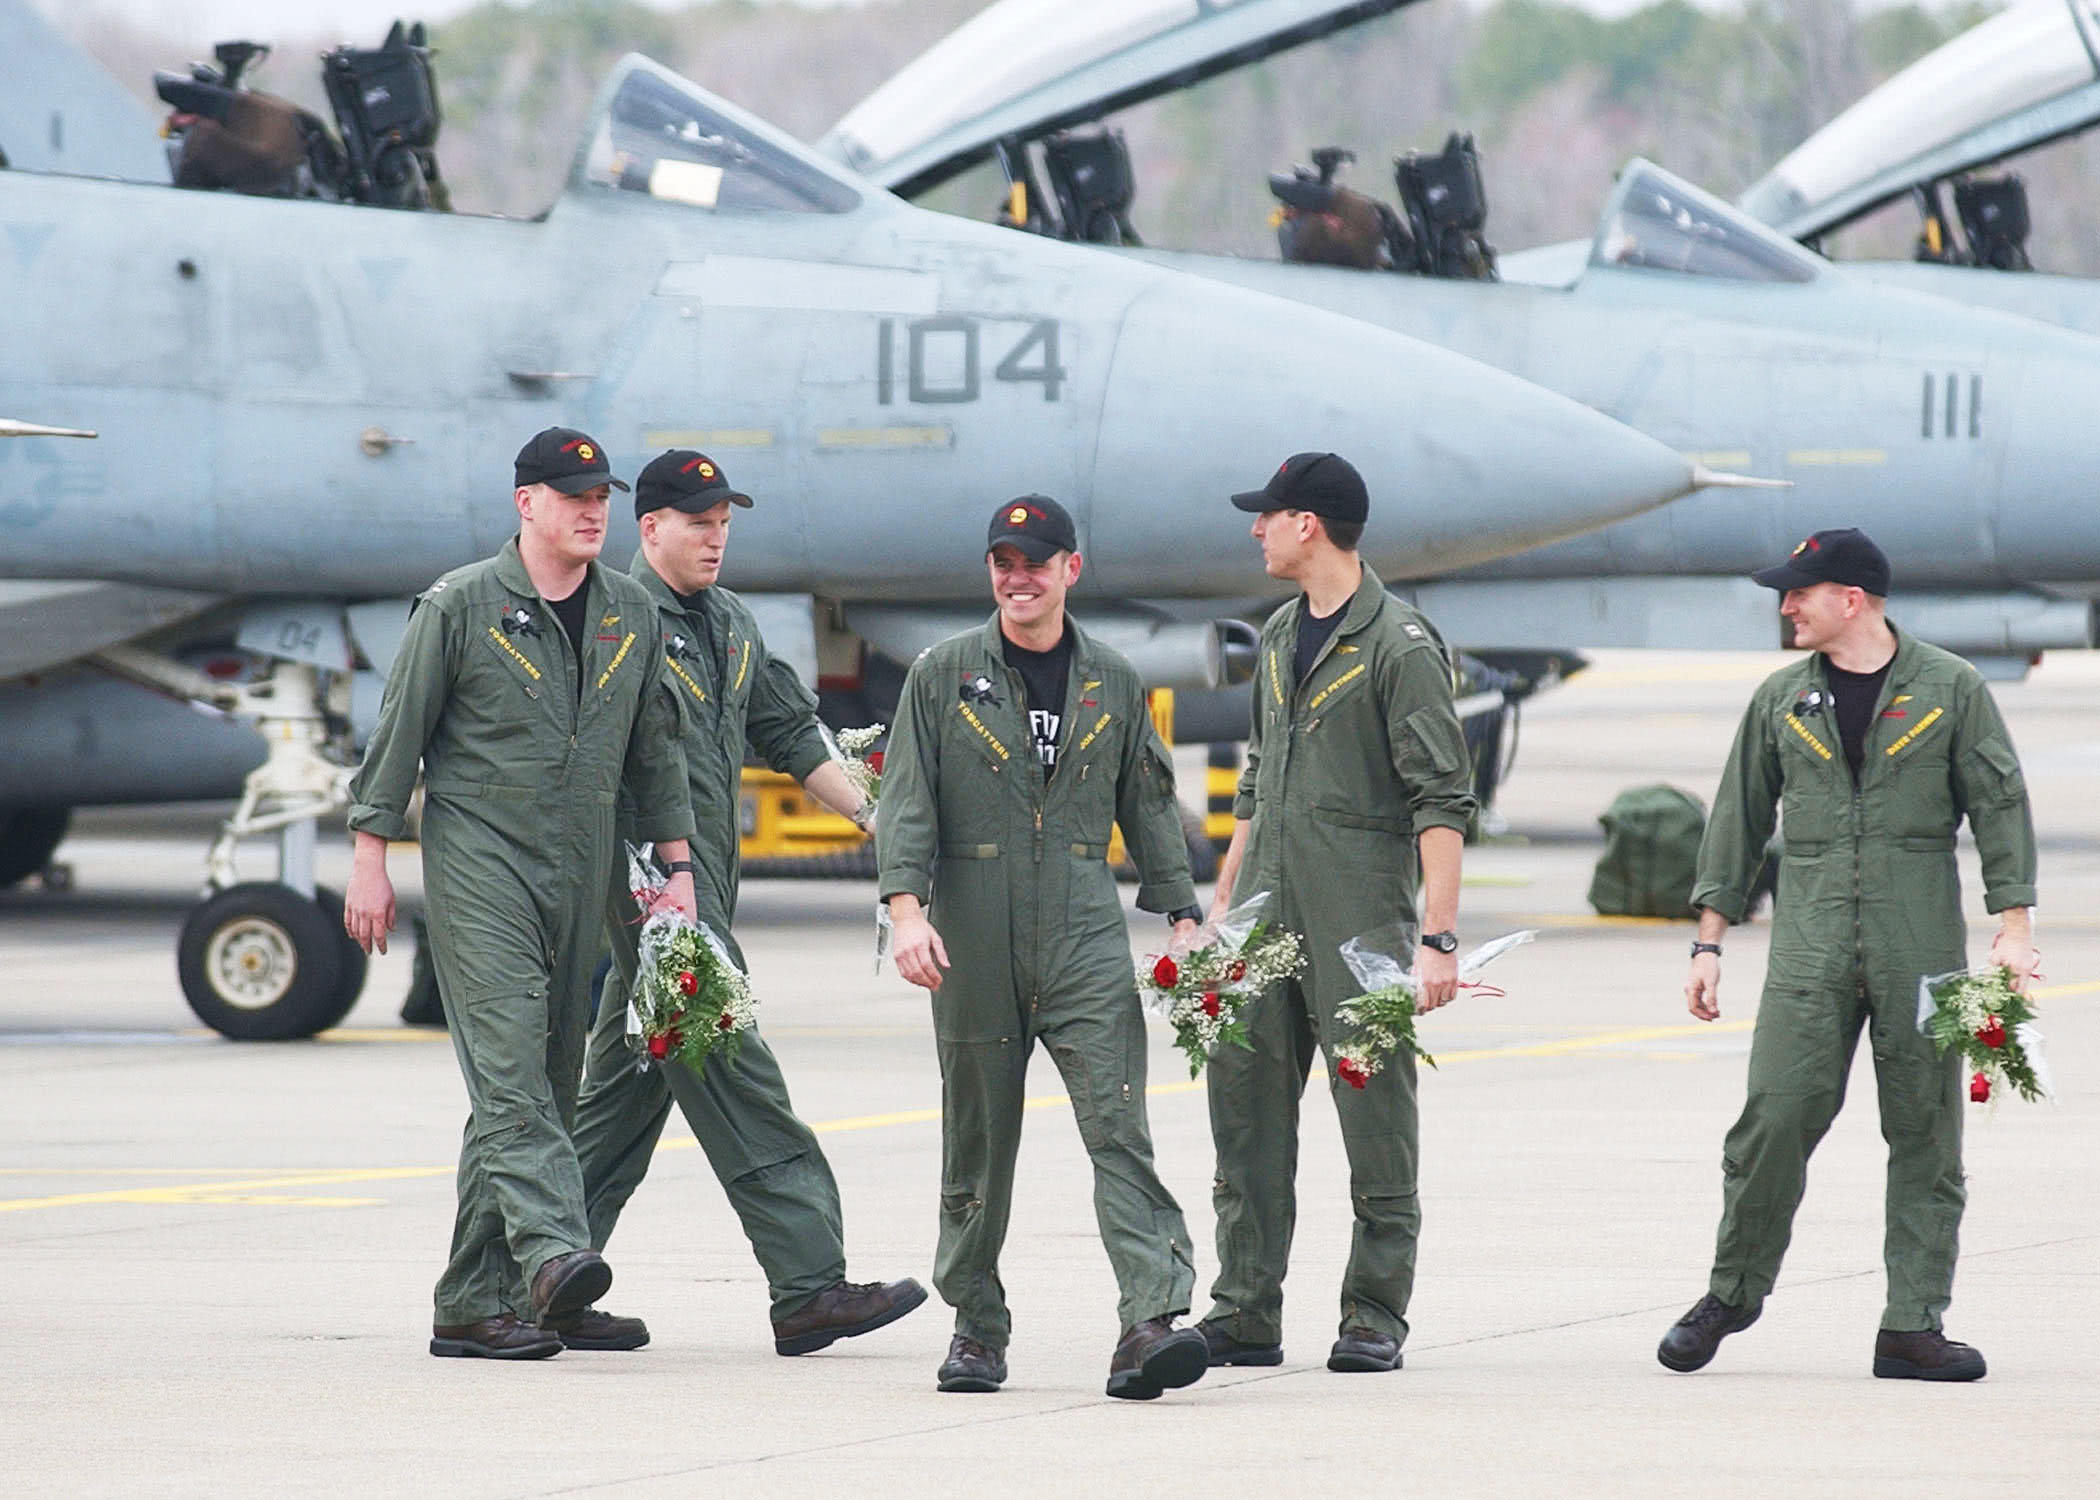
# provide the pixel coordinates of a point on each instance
(1324, 483)
(566, 460)
(684, 480)
(1847, 555)
(1036, 524)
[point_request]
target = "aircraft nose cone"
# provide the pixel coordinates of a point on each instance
(1212, 387)
(2044, 526)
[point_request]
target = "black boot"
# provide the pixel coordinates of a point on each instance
(1926, 1354)
(1693, 1338)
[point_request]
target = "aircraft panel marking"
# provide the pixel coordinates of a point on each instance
(1931, 414)
(28, 240)
(954, 342)
(1824, 457)
(863, 438)
(801, 286)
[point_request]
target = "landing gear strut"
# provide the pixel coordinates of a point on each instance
(267, 960)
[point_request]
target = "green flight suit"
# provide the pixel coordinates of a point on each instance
(1344, 770)
(1869, 901)
(730, 689)
(1015, 876)
(523, 752)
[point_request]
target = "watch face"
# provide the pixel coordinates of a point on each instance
(1443, 942)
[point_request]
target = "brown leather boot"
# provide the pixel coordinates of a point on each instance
(592, 1329)
(845, 1310)
(1361, 1350)
(1926, 1354)
(1156, 1356)
(505, 1336)
(971, 1366)
(568, 1283)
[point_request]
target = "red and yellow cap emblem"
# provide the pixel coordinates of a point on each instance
(1018, 516)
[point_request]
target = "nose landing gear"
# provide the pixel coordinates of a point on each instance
(267, 960)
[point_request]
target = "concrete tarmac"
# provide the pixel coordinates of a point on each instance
(218, 1257)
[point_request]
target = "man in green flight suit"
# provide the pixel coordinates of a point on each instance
(731, 689)
(1016, 748)
(1873, 749)
(1356, 767)
(530, 689)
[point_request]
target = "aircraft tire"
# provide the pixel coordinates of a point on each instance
(28, 838)
(261, 963)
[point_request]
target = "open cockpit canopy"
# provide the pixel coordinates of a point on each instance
(1656, 222)
(2026, 76)
(655, 133)
(1022, 68)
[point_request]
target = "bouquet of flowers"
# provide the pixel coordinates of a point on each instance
(1384, 1014)
(690, 1000)
(1978, 1013)
(1203, 985)
(854, 750)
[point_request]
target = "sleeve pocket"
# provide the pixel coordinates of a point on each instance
(1430, 731)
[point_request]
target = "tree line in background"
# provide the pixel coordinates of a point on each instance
(1556, 97)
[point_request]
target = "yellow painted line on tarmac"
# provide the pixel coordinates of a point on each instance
(269, 1190)
(256, 1190)
(2064, 991)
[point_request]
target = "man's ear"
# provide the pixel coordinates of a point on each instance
(1073, 563)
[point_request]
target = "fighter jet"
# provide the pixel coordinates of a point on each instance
(289, 415)
(62, 112)
(2015, 82)
(1952, 433)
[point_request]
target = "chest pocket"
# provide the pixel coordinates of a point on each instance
(736, 671)
(1086, 773)
(620, 678)
(976, 729)
(1345, 674)
(517, 663)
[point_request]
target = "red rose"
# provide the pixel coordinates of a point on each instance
(1210, 1003)
(1991, 1033)
(1238, 971)
(727, 1022)
(1351, 1072)
(687, 983)
(1979, 1089)
(875, 761)
(659, 1047)
(1164, 973)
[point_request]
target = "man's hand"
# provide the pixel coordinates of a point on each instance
(368, 900)
(1702, 991)
(1436, 978)
(677, 895)
(2014, 947)
(915, 948)
(1184, 934)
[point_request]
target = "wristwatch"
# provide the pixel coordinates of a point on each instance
(678, 867)
(1443, 942)
(1186, 914)
(1713, 948)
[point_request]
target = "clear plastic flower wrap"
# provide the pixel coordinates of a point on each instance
(1384, 1014)
(1201, 984)
(1978, 1013)
(855, 752)
(690, 1001)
